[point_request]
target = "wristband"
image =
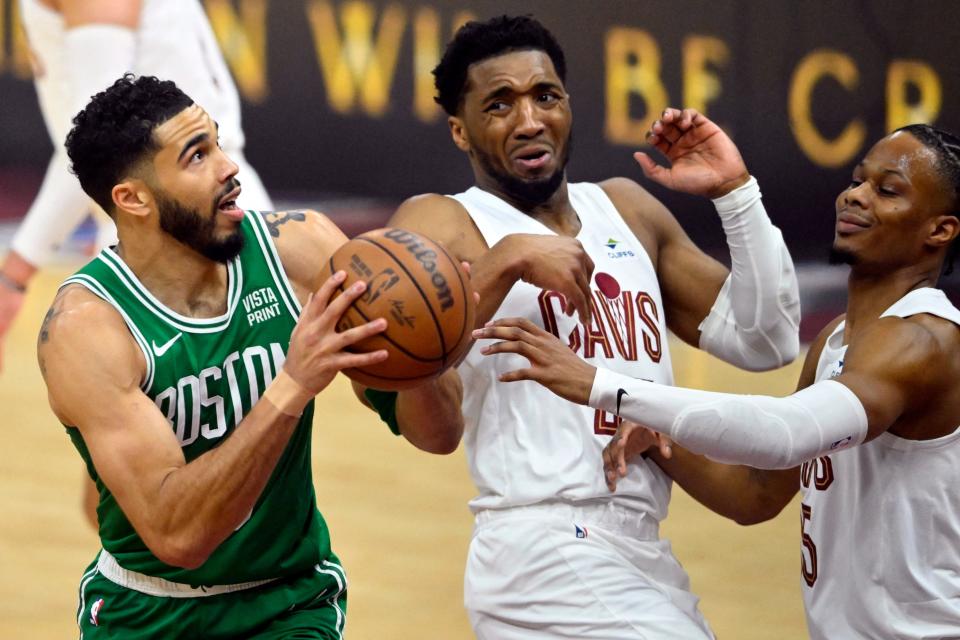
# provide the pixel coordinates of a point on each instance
(385, 404)
(287, 396)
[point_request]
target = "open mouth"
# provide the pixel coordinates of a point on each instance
(533, 159)
(228, 205)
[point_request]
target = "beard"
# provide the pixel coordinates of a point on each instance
(529, 193)
(189, 227)
(841, 256)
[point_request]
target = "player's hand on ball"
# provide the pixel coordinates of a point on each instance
(630, 441)
(557, 263)
(423, 293)
(552, 363)
(317, 351)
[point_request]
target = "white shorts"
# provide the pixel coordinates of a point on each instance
(594, 572)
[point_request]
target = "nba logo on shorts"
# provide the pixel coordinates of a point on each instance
(95, 612)
(580, 531)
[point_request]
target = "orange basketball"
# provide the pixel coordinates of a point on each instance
(423, 293)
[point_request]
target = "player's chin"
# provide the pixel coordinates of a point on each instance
(842, 252)
(534, 175)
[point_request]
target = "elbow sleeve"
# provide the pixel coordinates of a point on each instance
(759, 431)
(754, 322)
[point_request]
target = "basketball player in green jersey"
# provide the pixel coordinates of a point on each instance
(184, 362)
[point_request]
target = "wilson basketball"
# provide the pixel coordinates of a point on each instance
(423, 293)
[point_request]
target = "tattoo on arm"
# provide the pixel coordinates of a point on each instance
(45, 327)
(275, 219)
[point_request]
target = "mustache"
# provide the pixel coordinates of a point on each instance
(230, 186)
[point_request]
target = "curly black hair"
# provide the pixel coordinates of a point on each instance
(476, 41)
(115, 131)
(946, 146)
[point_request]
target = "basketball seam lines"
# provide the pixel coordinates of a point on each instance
(426, 298)
(463, 289)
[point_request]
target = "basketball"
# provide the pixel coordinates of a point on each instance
(423, 293)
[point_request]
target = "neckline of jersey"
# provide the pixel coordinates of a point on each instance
(185, 323)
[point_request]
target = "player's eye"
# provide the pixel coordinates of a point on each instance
(497, 106)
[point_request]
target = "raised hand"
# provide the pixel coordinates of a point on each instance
(704, 161)
(552, 363)
(630, 441)
(317, 352)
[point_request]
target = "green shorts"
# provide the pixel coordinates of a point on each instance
(311, 605)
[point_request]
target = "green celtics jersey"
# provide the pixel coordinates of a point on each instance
(205, 375)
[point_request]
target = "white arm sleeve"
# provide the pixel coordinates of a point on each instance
(755, 320)
(59, 208)
(759, 431)
(96, 56)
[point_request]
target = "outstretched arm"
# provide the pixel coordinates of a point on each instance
(894, 366)
(750, 316)
(745, 494)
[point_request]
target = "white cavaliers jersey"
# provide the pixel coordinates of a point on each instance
(174, 42)
(881, 523)
(526, 445)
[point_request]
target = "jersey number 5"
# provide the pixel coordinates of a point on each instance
(809, 571)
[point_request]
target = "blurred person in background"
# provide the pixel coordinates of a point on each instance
(80, 47)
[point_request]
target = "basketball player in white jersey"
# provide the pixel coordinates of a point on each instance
(554, 554)
(871, 438)
(80, 47)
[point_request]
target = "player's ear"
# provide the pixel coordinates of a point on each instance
(132, 197)
(458, 133)
(945, 229)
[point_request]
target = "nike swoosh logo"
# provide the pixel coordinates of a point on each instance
(162, 349)
(620, 394)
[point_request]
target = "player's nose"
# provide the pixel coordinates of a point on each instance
(857, 194)
(529, 122)
(228, 168)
